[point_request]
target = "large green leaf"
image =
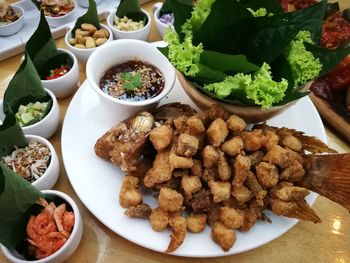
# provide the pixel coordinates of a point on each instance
(25, 87)
(90, 17)
(17, 197)
(182, 11)
(165, 9)
(131, 9)
(223, 14)
(311, 17)
(227, 62)
(272, 6)
(328, 57)
(11, 134)
(41, 48)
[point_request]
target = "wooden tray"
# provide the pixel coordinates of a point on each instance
(333, 115)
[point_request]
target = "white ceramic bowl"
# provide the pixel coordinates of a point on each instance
(83, 54)
(161, 27)
(120, 51)
(14, 27)
(45, 127)
(61, 20)
(65, 85)
(49, 178)
(141, 34)
(67, 249)
(85, 3)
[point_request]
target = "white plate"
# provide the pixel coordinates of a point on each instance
(97, 182)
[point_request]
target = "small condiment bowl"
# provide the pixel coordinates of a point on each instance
(83, 54)
(128, 49)
(251, 114)
(61, 20)
(85, 3)
(49, 178)
(14, 27)
(66, 84)
(160, 26)
(68, 248)
(47, 126)
(141, 34)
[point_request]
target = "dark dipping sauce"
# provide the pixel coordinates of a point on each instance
(133, 80)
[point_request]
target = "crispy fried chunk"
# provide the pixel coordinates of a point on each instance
(224, 169)
(187, 145)
(159, 219)
(277, 155)
(223, 236)
(267, 174)
(236, 123)
(139, 211)
(210, 156)
(217, 132)
(196, 222)
(231, 218)
(291, 142)
(190, 185)
(161, 170)
(293, 173)
(241, 169)
(161, 137)
(241, 194)
(220, 190)
(130, 194)
(233, 147)
(253, 140)
(197, 168)
(178, 224)
(170, 200)
(195, 125)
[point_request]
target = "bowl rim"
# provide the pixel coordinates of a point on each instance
(18, 20)
(52, 150)
(111, 25)
(87, 50)
(67, 75)
(64, 16)
(77, 221)
(171, 76)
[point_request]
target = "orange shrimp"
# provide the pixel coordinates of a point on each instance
(68, 221)
(49, 244)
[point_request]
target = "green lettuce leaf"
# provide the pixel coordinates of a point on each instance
(42, 50)
(17, 197)
(25, 87)
(11, 134)
(272, 6)
(131, 9)
(91, 17)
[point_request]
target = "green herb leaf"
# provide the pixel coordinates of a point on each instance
(91, 17)
(42, 49)
(131, 80)
(17, 197)
(227, 62)
(131, 9)
(272, 6)
(11, 134)
(166, 8)
(24, 87)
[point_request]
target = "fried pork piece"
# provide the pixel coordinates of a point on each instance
(176, 161)
(187, 145)
(159, 219)
(223, 236)
(271, 139)
(253, 140)
(210, 156)
(233, 147)
(214, 214)
(180, 124)
(178, 224)
(241, 194)
(130, 195)
(217, 132)
(256, 158)
(161, 170)
(291, 142)
(251, 215)
(170, 200)
(253, 184)
(201, 201)
(241, 170)
(267, 174)
(224, 169)
(161, 137)
(231, 218)
(139, 211)
(195, 125)
(277, 155)
(190, 185)
(236, 123)
(220, 190)
(197, 168)
(288, 192)
(196, 222)
(293, 173)
(173, 183)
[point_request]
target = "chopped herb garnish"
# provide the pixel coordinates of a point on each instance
(131, 80)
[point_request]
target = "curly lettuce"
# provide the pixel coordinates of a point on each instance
(259, 12)
(304, 65)
(258, 87)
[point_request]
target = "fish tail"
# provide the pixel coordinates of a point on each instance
(329, 175)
